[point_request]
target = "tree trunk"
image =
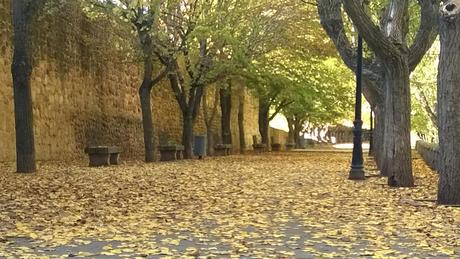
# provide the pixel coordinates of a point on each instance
(241, 130)
(210, 141)
(264, 132)
(291, 133)
(398, 163)
(147, 122)
(209, 118)
(188, 107)
(21, 70)
(226, 109)
(145, 96)
(378, 136)
(297, 130)
(187, 134)
(448, 106)
(264, 122)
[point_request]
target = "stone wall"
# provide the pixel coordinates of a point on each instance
(6, 91)
(250, 117)
(429, 153)
(85, 91)
(279, 137)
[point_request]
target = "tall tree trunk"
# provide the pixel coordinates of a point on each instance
(264, 123)
(378, 136)
(187, 134)
(209, 141)
(398, 163)
(189, 102)
(241, 130)
(448, 105)
(226, 109)
(145, 95)
(190, 115)
(209, 114)
(297, 130)
(291, 133)
(21, 69)
(147, 123)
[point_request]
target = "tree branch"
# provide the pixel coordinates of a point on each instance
(195, 100)
(426, 33)
(178, 94)
(331, 20)
(278, 109)
(426, 106)
(395, 22)
(159, 77)
(377, 41)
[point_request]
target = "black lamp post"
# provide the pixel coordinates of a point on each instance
(357, 167)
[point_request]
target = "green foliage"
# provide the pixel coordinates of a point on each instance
(140, 13)
(278, 47)
(424, 87)
(300, 72)
(127, 19)
(326, 95)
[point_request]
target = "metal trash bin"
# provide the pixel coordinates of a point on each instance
(199, 146)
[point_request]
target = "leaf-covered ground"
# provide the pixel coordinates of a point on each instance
(277, 205)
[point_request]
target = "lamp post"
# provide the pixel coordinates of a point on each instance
(357, 167)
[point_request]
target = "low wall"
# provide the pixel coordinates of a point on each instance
(279, 137)
(429, 153)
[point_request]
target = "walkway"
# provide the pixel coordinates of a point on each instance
(275, 205)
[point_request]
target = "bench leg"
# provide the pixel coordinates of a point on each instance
(114, 159)
(99, 160)
(179, 155)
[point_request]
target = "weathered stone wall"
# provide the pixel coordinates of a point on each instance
(279, 137)
(85, 91)
(78, 100)
(6, 91)
(250, 117)
(429, 153)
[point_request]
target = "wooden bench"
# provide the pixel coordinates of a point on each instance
(171, 152)
(222, 149)
(103, 155)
